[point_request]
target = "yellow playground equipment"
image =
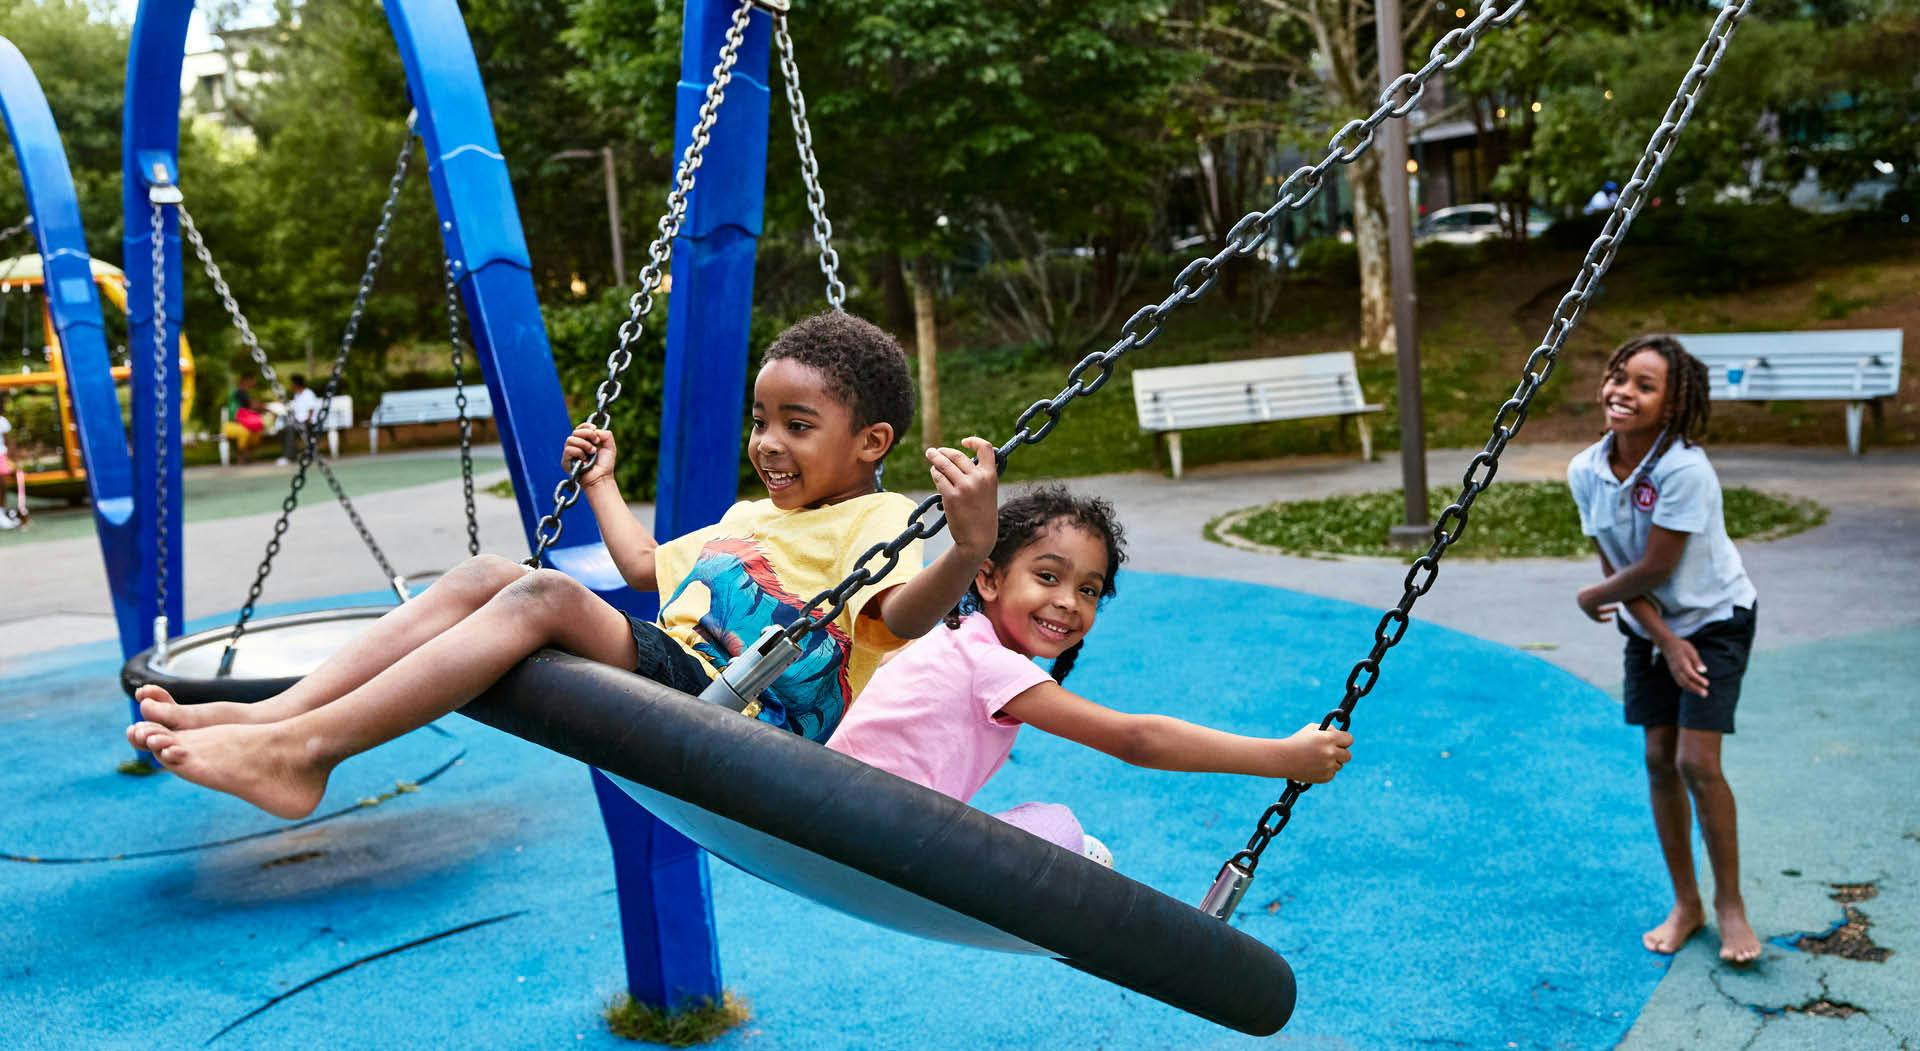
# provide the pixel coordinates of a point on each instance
(34, 379)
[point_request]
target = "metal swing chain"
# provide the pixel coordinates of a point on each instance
(259, 356)
(809, 166)
(460, 403)
(1193, 282)
(1507, 422)
(160, 428)
(16, 230)
(314, 427)
(659, 253)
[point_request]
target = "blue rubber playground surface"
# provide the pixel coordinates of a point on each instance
(1465, 883)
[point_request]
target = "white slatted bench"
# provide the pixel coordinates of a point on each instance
(1858, 366)
(398, 408)
(1183, 397)
(339, 418)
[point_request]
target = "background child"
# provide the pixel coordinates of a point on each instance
(944, 712)
(831, 398)
(17, 516)
(1651, 502)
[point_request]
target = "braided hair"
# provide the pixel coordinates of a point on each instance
(1027, 517)
(1684, 416)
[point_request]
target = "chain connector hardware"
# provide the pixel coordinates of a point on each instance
(778, 7)
(740, 684)
(226, 659)
(1227, 890)
(160, 638)
(400, 588)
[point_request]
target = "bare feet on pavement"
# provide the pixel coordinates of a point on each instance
(1681, 924)
(1738, 945)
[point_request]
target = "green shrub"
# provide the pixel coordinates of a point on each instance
(1331, 260)
(1712, 248)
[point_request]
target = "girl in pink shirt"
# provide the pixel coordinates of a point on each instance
(944, 712)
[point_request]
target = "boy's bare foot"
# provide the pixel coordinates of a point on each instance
(1681, 924)
(158, 706)
(1738, 945)
(256, 763)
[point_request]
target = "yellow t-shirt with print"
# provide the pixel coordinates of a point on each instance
(721, 586)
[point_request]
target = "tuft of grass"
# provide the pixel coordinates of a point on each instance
(138, 767)
(502, 488)
(1510, 520)
(693, 1023)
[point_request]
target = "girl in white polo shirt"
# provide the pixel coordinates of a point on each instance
(1651, 502)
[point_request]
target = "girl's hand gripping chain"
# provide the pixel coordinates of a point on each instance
(587, 442)
(970, 494)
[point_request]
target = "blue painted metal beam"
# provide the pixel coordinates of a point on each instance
(75, 304)
(666, 909)
(666, 912)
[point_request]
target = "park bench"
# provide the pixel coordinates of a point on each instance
(398, 408)
(1183, 397)
(1859, 366)
(339, 418)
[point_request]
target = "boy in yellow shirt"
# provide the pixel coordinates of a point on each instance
(831, 398)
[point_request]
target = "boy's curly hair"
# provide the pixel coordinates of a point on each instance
(1688, 407)
(1025, 518)
(864, 367)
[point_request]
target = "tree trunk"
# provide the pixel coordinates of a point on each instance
(893, 288)
(1370, 238)
(926, 338)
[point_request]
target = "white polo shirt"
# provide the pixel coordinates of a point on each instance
(1681, 493)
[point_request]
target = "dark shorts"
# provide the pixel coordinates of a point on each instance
(1654, 699)
(664, 661)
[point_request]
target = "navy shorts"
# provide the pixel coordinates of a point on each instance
(664, 661)
(1654, 699)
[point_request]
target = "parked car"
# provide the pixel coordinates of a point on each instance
(1473, 223)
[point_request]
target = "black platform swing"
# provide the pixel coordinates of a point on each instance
(886, 850)
(211, 665)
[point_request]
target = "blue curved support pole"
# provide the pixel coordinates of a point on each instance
(663, 876)
(666, 911)
(75, 304)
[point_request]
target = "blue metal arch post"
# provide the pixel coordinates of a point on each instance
(661, 874)
(665, 905)
(68, 280)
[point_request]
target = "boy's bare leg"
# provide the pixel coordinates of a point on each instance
(1673, 820)
(282, 767)
(463, 589)
(1699, 763)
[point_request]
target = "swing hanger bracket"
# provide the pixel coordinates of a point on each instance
(778, 7)
(158, 170)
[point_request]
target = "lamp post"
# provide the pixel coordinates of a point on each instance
(605, 154)
(1393, 183)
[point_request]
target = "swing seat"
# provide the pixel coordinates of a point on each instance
(274, 653)
(880, 848)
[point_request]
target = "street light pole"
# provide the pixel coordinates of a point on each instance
(1393, 185)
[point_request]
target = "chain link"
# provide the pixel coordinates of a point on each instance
(659, 254)
(1507, 421)
(451, 271)
(1192, 283)
(161, 425)
(312, 429)
(809, 167)
(16, 230)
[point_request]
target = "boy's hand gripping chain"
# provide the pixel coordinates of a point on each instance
(659, 255)
(1231, 884)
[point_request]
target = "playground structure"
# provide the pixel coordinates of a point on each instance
(21, 276)
(493, 274)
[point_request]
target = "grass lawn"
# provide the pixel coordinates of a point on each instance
(1477, 326)
(1510, 520)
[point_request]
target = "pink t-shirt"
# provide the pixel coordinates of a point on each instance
(928, 714)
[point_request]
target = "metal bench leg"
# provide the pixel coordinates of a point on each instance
(1854, 411)
(1173, 451)
(373, 440)
(333, 444)
(225, 452)
(1366, 439)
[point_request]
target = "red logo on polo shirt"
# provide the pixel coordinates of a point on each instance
(1645, 495)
